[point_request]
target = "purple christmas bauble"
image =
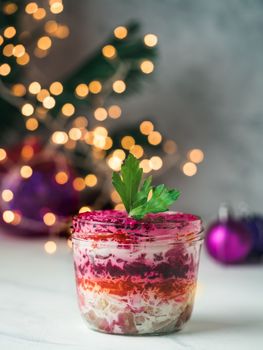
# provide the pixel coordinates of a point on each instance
(254, 224)
(228, 241)
(43, 199)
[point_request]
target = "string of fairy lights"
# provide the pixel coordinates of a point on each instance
(71, 130)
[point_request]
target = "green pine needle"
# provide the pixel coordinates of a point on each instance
(134, 197)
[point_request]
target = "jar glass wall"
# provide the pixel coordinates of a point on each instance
(136, 277)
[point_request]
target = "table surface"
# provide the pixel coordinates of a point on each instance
(38, 308)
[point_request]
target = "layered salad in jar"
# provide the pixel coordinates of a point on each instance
(136, 275)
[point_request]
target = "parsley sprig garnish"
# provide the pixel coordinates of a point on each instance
(141, 200)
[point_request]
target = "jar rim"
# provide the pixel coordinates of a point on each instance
(107, 225)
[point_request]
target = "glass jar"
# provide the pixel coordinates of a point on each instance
(136, 277)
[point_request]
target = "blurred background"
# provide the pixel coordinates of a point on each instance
(177, 83)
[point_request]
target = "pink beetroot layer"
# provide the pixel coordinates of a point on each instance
(117, 225)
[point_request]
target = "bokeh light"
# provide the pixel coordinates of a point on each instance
(68, 109)
(119, 86)
(49, 219)
(147, 67)
(27, 109)
(196, 155)
(114, 111)
(189, 169)
(150, 40)
(91, 180)
(61, 177)
(155, 138)
(26, 171)
(100, 114)
(56, 88)
(59, 137)
(95, 87)
(146, 127)
(50, 247)
(7, 195)
(120, 32)
(32, 124)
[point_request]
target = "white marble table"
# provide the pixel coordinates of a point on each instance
(38, 308)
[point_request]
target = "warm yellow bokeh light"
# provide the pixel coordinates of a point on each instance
(95, 87)
(108, 143)
(189, 169)
(84, 209)
(137, 151)
(155, 163)
(23, 60)
(9, 32)
(39, 14)
(82, 90)
(196, 155)
(169, 147)
(100, 130)
(18, 90)
(127, 142)
(155, 138)
(119, 206)
(44, 43)
(50, 247)
(109, 51)
(115, 197)
(32, 124)
(1, 40)
(147, 67)
(81, 122)
(19, 50)
(8, 216)
(5, 69)
(56, 7)
(8, 50)
(150, 40)
(146, 127)
(42, 95)
(49, 102)
(34, 88)
(7, 195)
(100, 114)
(114, 112)
(31, 8)
(78, 184)
(115, 163)
(51, 26)
(26, 171)
(59, 137)
(27, 152)
(49, 219)
(145, 165)
(68, 109)
(62, 32)
(120, 32)
(10, 8)
(61, 177)
(3, 155)
(119, 153)
(119, 86)
(27, 109)
(56, 88)
(91, 180)
(74, 134)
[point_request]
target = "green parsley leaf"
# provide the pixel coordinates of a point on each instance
(161, 199)
(128, 181)
(135, 199)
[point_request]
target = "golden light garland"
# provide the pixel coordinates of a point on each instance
(79, 130)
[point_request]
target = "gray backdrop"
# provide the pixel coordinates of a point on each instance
(207, 90)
